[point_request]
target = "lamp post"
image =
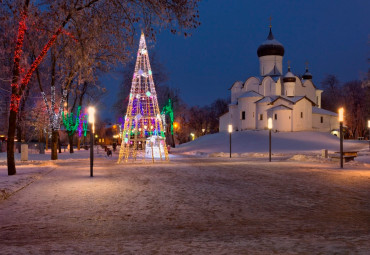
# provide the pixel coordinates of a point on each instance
(269, 125)
(91, 111)
(341, 119)
(368, 127)
(230, 131)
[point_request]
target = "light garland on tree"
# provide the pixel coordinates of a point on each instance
(82, 127)
(54, 115)
(70, 121)
(167, 109)
(142, 123)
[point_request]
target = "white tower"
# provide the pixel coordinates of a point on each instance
(270, 54)
(289, 83)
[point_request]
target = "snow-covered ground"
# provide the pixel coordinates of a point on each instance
(190, 205)
(201, 202)
(255, 144)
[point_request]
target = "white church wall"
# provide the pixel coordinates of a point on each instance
(281, 119)
(236, 91)
(251, 84)
(299, 89)
(271, 65)
(318, 97)
(261, 117)
(278, 88)
(324, 123)
(309, 90)
(268, 86)
(224, 122)
(302, 116)
(234, 117)
(247, 106)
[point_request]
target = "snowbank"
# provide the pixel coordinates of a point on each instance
(255, 144)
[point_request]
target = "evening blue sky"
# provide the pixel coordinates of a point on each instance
(332, 35)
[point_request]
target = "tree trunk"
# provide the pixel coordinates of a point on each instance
(78, 143)
(10, 143)
(54, 144)
(59, 144)
(70, 139)
(46, 141)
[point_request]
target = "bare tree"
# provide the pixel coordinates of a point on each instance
(123, 15)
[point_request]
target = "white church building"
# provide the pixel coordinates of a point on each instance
(293, 103)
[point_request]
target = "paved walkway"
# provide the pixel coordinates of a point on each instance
(190, 206)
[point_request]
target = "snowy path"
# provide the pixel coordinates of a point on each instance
(190, 206)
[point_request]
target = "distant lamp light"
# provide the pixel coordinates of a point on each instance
(341, 114)
(269, 123)
(91, 111)
(192, 136)
(175, 125)
(368, 124)
(230, 128)
(203, 130)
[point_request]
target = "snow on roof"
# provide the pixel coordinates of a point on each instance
(251, 93)
(280, 107)
(233, 103)
(293, 99)
(271, 42)
(237, 82)
(316, 110)
(289, 75)
(267, 99)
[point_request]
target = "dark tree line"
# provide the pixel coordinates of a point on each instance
(354, 96)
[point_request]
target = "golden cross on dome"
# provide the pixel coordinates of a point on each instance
(306, 63)
(270, 21)
(288, 63)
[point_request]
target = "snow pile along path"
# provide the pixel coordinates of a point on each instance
(252, 143)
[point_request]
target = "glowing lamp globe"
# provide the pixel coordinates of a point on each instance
(230, 128)
(91, 111)
(269, 123)
(341, 114)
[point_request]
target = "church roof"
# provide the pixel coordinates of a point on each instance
(270, 47)
(279, 107)
(316, 110)
(293, 100)
(237, 82)
(267, 99)
(251, 93)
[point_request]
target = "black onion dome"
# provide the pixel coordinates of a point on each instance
(289, 76)
(270, 47)
(307, 75)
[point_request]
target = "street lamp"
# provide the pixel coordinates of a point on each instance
(230, 131)
(203, 130)
(91, 111)
(341, 119)
(368, 127)
(269, 126)
(192, 136)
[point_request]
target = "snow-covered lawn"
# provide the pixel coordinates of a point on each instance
(190, 205)
(201, 202)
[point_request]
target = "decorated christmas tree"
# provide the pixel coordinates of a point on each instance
(143, 133)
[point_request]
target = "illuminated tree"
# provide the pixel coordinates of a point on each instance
(60, 16)
(143, 123)
(71, 122)
(168, 110)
